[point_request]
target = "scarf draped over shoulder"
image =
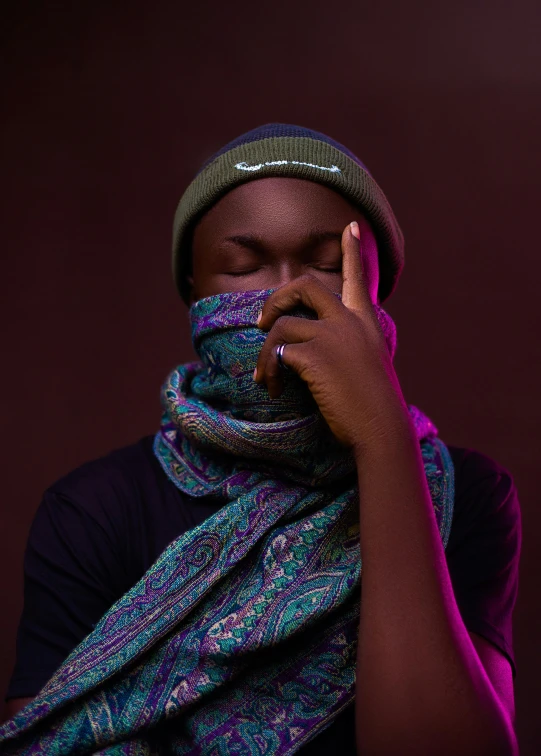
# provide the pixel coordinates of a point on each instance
(241, 638)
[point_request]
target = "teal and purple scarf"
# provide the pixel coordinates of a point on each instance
(241, 638)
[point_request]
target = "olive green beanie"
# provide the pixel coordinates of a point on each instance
(279, 149)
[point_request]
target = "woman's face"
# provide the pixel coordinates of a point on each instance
(266, 232)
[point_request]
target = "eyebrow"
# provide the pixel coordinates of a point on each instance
(313, 237)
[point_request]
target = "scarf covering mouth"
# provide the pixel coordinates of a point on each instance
(241, 638)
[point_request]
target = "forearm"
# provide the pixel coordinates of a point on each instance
(421, 688)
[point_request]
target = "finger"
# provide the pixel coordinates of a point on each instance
(355, 294)
(296, 356)
(304, 290)
(287, 330)
(273, 374)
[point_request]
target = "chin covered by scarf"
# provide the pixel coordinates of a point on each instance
(241, 638)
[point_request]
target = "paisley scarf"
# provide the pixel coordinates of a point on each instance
(241, 638)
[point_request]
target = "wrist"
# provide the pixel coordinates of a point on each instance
(388, 437)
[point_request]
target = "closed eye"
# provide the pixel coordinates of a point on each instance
(255, 270)
(241, 272)
(328, 270)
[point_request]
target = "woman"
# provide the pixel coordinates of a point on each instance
(205, 584)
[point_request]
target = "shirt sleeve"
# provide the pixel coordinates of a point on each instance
(484, 549)
(73, 573)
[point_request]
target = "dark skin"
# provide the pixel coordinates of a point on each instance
(428, 686)
(292, 208)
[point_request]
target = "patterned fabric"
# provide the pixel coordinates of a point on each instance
(241, 638)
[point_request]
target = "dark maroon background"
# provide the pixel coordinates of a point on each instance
(108, 110)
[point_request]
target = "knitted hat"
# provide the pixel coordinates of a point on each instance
(281, 149)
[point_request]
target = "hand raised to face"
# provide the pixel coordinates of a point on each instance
(342, 356)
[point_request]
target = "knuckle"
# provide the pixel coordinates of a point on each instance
(276, 330)
(273, 376)
(287, 320)
(272, 308)
(280, 325)
(268, 306)
(313, 282)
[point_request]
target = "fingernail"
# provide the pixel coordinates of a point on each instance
(255, 374)
(354, 227)
(259, 318)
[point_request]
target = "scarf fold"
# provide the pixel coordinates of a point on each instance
(241, 638)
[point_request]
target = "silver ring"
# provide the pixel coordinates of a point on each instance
(279, 355)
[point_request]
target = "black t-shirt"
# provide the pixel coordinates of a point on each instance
(100, 528)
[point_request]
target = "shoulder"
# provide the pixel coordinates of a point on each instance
(118, 507)
(474, 462)
(124, 482)
(93, 513)
(121, 505)
(485, 490)
(120, 469)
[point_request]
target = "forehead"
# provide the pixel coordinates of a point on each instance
(278, 201)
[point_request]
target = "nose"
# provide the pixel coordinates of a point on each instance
(287, 271)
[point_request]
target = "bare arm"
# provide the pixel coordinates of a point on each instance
(423, 688)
